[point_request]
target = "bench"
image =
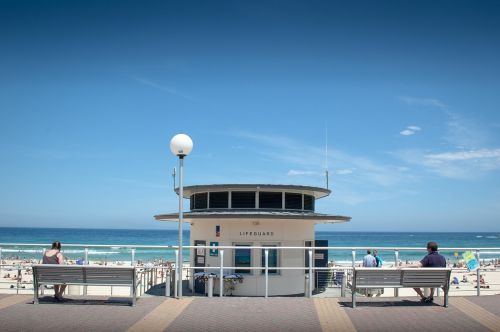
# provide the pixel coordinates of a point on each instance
(365, 277)
(86, 275)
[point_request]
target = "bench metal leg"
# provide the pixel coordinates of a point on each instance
(446, 297)
(35, 293)
(353, 291)
(134, 297)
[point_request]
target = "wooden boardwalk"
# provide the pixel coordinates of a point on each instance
(155, 313)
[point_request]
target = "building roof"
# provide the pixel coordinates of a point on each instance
(317, 192)
(255, 214)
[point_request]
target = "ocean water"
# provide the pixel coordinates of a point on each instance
(120, 237)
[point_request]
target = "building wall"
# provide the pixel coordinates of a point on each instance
(257, 233)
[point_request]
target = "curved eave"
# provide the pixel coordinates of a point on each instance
(314, 217)
(317, 192)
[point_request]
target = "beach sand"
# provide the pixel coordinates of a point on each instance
(9, 273)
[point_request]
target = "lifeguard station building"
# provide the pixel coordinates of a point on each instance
(260, 215)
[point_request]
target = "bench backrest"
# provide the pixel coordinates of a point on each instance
(378, 277)
(426, 278)
(82, 274)
(419, 277)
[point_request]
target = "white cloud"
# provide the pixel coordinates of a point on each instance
(167, 89)
(461, 132)
(344, 171)
(463, 164)
(294, 172)
(432, 102)
(407, 132)
(311, 158)
(410, 130)
(464, 133)
(465, 155)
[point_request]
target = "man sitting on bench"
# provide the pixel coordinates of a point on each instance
(433, 259)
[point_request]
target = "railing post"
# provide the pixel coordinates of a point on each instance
(344, 284)
(396, 264)
(167, 282)
(176, 273)
(132, 258)
(266, 261)
(309, 291)
(478, 274)
(19, 276)
(221, 273)
(353, 258)
(86, 259)
(210, 291)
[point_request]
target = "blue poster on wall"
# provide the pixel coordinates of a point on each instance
(214, 252)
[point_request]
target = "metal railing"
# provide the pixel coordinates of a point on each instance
(158, 273)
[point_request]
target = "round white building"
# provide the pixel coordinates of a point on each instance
(255, 215)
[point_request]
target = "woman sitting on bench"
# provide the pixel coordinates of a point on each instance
(54, 256)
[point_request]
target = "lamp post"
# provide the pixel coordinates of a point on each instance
(180, 145)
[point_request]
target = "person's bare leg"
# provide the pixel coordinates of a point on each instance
(432, 293)
(419, 292)
(56, 290)
(61, 291)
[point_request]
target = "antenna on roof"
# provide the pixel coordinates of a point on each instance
(173, 176)
(326, 154)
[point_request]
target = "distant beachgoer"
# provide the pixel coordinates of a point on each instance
(464, 278)
(377, 258)
(433, 259)
(54, 256)
(369, 260)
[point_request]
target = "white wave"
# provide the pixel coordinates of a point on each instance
(103, 252)
(479, 236)
(23, 250)
(71, 251)
(492, 237)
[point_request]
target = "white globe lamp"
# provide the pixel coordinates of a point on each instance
(181, 145)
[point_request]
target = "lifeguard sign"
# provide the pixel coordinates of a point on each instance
(470, 260)
(214, 252)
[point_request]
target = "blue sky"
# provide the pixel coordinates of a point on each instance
(92, 91)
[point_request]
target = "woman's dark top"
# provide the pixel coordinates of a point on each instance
(50, 259)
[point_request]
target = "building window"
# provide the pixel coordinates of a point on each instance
(293, 201)
(242, 258)
(270, 200)
(219, 200)
(243, 200)
(199, 201)
(272, 259)
(308, 202)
